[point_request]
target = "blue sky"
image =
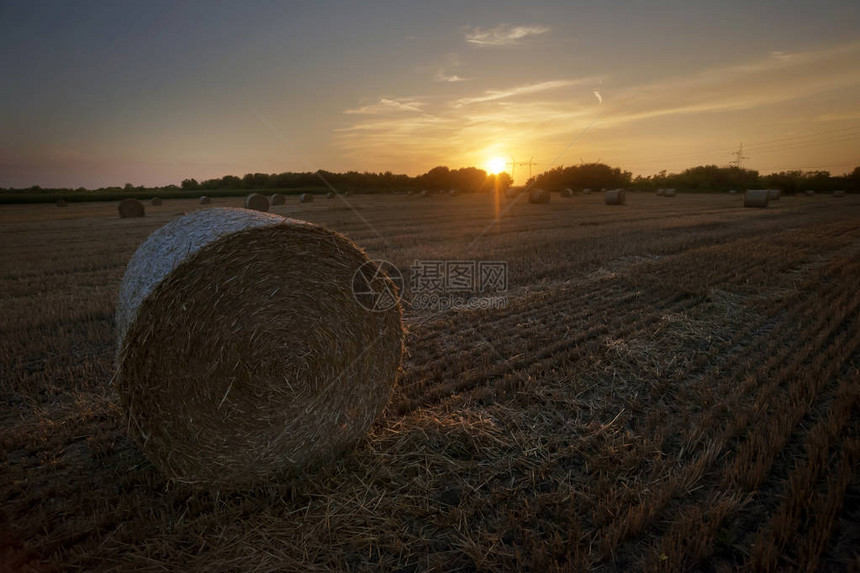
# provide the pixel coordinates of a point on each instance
(103, 93)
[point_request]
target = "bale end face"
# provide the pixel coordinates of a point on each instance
(306, 198)
(244, 355)
(257, 202)
(774, 194)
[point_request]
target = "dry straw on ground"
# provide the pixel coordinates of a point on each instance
(615, 197)
(243, 353)
(773, 194)
(306, 198)
(156, 202)
(277, 199)
(539, 196)
(130, 208)
(257, 202)
(204, 200)
(756, 198)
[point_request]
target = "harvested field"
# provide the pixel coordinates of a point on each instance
(671, 386)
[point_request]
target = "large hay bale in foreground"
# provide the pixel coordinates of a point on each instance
(156, 202)
(615, 197)
(257, 202)
(130, 208)
(62, 203)
(539, 196)
(204, 200)
(277, 199)
(306, 198)
(669, 192)
(774, 194)
(244, 353)
(756, 198)
(839, 193)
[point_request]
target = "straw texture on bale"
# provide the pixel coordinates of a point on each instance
(669, 192)
(277, 199)
(62, 203)
(243, 353)
(756, 198)
(809, 192)
(257, 202)
(773, 194)
(130, 208)
(567, 192)
(156, 202)
(615, 197)
(839, 193)
(205, 200)
(306, 198)
(539, 196)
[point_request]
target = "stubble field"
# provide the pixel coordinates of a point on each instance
(673, 385)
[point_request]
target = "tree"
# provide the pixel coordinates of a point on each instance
(190, 184)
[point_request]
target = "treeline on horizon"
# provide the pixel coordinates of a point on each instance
(473, 179)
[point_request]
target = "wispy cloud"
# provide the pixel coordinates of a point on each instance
(493, 95)
(385, 105)
(441, 76)
(503, 34)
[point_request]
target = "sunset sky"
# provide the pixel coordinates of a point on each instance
(104, 93)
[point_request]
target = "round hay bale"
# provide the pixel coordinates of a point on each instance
(62, 203)
(669, 192)
(329, 195)
(257, 202)
(567, 192)
(512, 193)
(306, 198)
(204, 200)
(277, 199)
(615, 197)
(244, 354)
(839, 193)
(452, 192)
(809, 192)
(586, 191)
(156, 202)
(756, 198)
(732, 192)
(539, 196)
(423, 193)
(773, 194)
(130, 209)
(660, 192)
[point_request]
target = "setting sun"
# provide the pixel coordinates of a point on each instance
(495, 165)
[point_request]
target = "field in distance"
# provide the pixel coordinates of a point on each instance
(672, 385)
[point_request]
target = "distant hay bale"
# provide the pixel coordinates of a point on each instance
(839, 193)
(732, 192)
(539, 196)
(774, 194)
(306, 198)
(586, 191)
(809, 192)
(329, 195)
(452, 192)
(62, 203)
(257, 202)
(277, 199)
(568, 192)
(669, 192)
(244, 354)
(409, 193)
(756, 198)
(156, 202)
(660, 192)
(423, 193)
(204, 200)
(130, 208)
(615, 197)
(512, 193)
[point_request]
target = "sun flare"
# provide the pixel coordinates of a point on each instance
(495, 165)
